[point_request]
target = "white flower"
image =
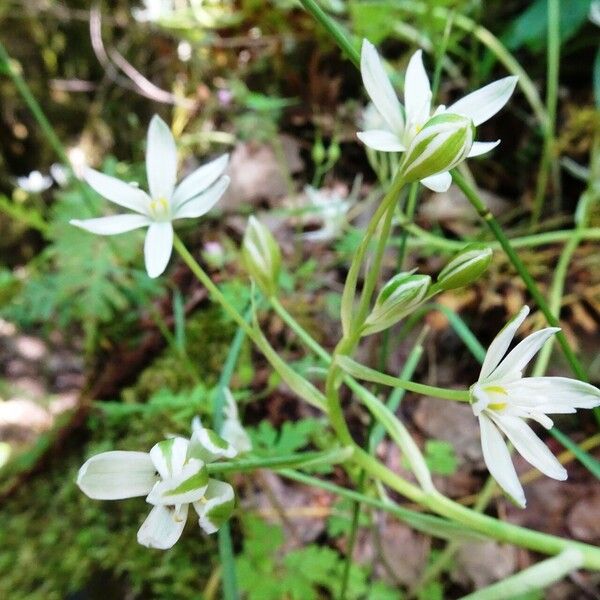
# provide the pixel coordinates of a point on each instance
(172, 476)
(232, 430)
(153, 11)
(331, 210)
(502, 400)
(403, 123)
(192, 198)
(35, 182)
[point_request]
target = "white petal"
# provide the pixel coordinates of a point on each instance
(200, 180)
(207, 445)
(217, 506)
(116, 475)
(379, 139)
(439, 182)
(417, 90)
(379, 88)
(118, 191)
(162, 527)
(479, 148)
(161, 159)
(529, 446)
(112, 225)
(501, 342)
(200, 205)
(498, 461)
(187, 486)
(554, 394)
(169, 456)
(485, 102)
(158, 247)
(522, 353)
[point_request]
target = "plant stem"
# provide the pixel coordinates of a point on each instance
(521, 269)
(334, 29)
(547, 161)
(367, 374)
(38, 114)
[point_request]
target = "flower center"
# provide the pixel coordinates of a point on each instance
(160, 210)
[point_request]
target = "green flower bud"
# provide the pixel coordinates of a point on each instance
(261, 256)
(398, 297)
(318, 152)
(443, 142)
(467, 266)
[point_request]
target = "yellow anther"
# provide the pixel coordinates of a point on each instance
(497, 406)
(496, 389)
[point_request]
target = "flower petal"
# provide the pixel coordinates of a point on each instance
(207, 445)
(379, 139)
(522, 353)
(417, 91)
(112, 225)
(162, 527)
(200, 205)
(158, 247)
(529, 446)
(117, 191)
(379, 88)
(169, 456)
(498, 461)
(187, 486)
(161, 159)
(479, 148)
(553, 394)
(440, 182)
(217, 506)
(198, 181)
(116, 475)
(485, 102)
(501, 342)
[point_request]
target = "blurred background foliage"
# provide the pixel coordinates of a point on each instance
(224, 73)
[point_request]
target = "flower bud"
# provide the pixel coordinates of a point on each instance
(467, 266)
(398, 297)
(261, 256)
(443, 142)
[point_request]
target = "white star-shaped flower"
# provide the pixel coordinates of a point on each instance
(195, 195)
(502, 400)
(172, 476)
(331, 210)
(402, 123)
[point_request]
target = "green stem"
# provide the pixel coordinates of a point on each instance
(367, 374)
(279, 462)
(551, 103)
(334, 29)
(521, 269)
(38, 114)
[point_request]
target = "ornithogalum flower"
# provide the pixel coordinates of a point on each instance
(502, 399)
(172, 476)
(192, 198)
(35, 182)
(403, 123)
(331, 210)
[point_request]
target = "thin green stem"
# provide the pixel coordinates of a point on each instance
(333, 28)
(278, 462)
(367, 374)
(36, 110)
(521, 269)
(546, 162)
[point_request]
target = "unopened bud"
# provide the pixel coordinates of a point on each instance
(467, 266)
(262, 256)
(398, 297)
(443, 142)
